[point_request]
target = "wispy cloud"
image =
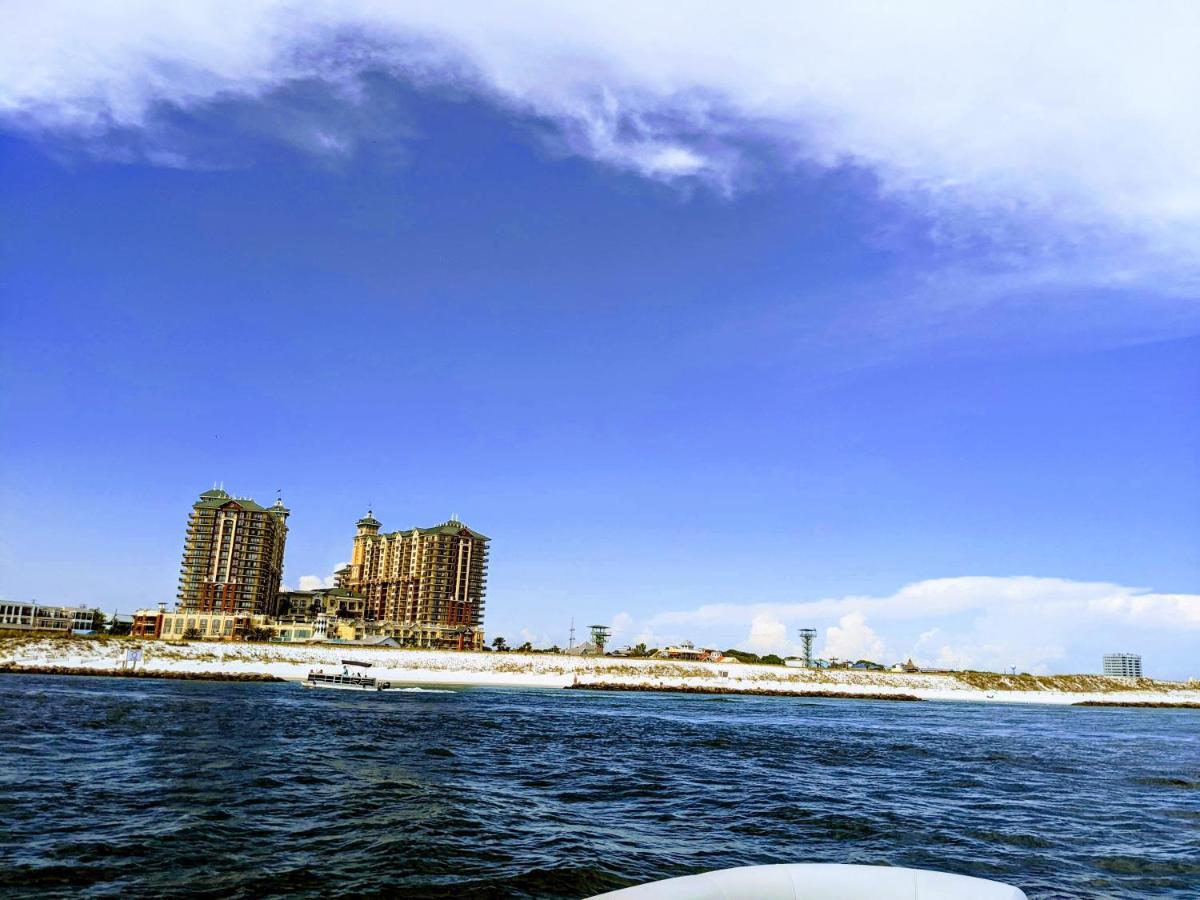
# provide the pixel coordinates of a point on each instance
(1023, 126)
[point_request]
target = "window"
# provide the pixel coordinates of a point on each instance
(228, 626)
(204, 626)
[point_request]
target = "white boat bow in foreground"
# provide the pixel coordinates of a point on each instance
(820, 881)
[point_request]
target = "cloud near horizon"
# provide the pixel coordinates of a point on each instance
(1043, 130)
(318, 582)
(1036, 624)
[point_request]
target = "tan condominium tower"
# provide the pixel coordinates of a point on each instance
(425, 586)
(232, 555)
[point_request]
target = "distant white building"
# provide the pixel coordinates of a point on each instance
(1123, 665)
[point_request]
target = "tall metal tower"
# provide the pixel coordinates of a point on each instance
(600, 635)
(571, 640)
(806, 637)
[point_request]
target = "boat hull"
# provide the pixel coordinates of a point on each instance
(344, 687)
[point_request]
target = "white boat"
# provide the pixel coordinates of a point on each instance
(820, 881)
(348, 679)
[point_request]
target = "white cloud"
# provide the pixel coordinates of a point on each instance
(767, 635)
(317, 582)
(947, 596)
(1035, 624)
(1067, 123)
(990, 649)
(853, 639)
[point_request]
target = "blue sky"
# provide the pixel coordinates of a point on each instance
(703, 368)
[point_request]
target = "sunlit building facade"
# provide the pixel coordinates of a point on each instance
(232, 555)
(424, 586)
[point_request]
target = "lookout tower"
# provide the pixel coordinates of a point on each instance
(600, 635)
(806, 638)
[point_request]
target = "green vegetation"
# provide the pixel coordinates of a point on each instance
(640, 651)
(745, 656)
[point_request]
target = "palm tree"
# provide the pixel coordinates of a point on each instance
(499, 645)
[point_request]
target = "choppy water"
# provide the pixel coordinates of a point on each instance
(157, 788)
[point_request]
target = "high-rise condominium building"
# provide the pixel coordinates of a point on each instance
(1123, 665)
(424, 586)
(233, 555)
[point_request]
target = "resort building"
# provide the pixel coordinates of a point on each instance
(193, 625)
(1123, 665)
(424, 586)
(232, 556)
(186, 625)
(332, 602)
(40, 617)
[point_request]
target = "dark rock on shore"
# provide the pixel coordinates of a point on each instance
(10, 669)
(1143, 704)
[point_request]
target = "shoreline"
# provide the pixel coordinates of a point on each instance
(230, 661)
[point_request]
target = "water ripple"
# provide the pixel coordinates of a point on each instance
(110, 787)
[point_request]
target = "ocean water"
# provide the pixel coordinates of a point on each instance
(144, 788)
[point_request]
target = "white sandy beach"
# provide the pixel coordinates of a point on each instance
(426, 667)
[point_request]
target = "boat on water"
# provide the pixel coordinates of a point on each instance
(353, 677)
(820, 881)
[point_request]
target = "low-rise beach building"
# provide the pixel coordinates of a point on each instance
(381, 640)
(192, 625)
(300, 629)
(688, 651)
(147, 623)
(43, 617)
(157, 624)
